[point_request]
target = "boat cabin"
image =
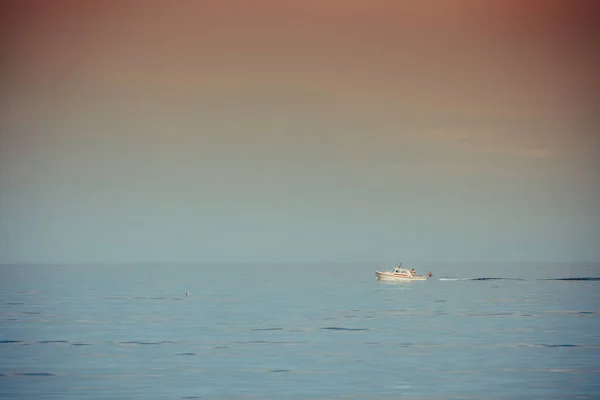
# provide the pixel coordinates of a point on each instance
(401, 271)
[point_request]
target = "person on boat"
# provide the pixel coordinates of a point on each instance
(430, 274)
(412, 271)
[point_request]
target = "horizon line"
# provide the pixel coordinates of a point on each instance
(312, 263)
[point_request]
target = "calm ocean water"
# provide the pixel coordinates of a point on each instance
(299, 332)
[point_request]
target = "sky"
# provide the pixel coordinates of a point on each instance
(299, 131)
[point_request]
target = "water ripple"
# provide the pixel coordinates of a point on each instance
(52, 341)
(135, 342)
(337, 328)
(267, 329)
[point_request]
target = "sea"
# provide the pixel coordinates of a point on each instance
(299, 331)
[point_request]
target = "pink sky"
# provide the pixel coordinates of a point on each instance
(504, 60)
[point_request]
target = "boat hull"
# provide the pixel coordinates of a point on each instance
(390, 276)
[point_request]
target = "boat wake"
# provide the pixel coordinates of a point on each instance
(481, 279)
(454, 279)
(497, 279)
(583, 278)
(573, 279)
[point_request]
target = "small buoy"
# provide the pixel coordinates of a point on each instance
(187, 294)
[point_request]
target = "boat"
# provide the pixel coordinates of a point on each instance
(400, 274)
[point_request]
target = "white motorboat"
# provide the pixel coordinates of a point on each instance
(400, 274)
